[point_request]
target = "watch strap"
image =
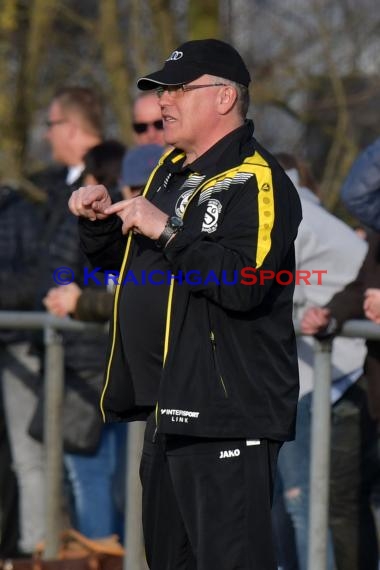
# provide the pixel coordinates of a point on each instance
(167, 233)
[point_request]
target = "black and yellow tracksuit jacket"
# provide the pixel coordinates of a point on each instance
(230, 362)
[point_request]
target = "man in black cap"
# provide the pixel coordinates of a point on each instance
(205, 355)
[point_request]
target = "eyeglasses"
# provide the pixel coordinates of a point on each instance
(49, 124)
(140, 128)
(178, 90)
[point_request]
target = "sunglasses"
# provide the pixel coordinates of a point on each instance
(140, 128)
(49, 124)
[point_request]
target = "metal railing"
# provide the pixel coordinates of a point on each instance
(53, 392)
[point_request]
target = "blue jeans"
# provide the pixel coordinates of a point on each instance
(92, 478)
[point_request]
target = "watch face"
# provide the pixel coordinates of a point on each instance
(176, 223)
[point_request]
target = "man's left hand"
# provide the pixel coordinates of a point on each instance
(61, 301)
(371, 305)
(140, 216)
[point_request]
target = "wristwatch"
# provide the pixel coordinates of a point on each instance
(173, 225)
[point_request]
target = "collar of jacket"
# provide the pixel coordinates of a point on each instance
(214, 159)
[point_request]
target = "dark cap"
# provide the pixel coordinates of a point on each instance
(138, 163)
(195, 58)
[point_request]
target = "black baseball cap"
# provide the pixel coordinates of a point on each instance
(195, 58)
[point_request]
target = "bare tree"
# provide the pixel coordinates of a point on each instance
(204, 20)
(10, 146)
(313, 65)
(164, 24)
(115, 64)
(314, 78)
(28, 25)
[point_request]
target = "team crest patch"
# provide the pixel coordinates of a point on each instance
(210, 220)
(182, 202)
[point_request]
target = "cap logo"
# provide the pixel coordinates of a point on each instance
(175, 55)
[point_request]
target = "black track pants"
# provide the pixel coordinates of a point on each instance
(207, 503)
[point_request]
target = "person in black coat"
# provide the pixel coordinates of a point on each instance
(21, 456)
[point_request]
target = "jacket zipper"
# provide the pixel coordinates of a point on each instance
(114, 320)
(117, 292)
(198, 190)
(216, 360)
(166, 346)
(168, 317)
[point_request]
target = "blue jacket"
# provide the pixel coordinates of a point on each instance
(361, 189)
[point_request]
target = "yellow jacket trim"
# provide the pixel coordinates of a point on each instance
(114, 319)
(255, 165)
(265, 200)
(117, 294)
(168, 318)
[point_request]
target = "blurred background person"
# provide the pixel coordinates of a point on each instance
(137, 166)
(75, 125)
(324, 242)
(352, 303)
(20, 220)
(147, 122)
(102, 165)
(361, 188)
(125, 174)
(130, 171)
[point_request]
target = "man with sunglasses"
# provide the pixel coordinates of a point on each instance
(147, 121)
(211, 365)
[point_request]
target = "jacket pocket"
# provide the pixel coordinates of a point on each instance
(217, 364)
